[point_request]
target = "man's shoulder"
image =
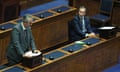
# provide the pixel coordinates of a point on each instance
(87, 17)
(76, 17)
(17, 26)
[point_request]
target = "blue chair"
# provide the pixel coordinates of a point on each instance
(105, 15)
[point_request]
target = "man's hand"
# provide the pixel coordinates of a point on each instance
(36, 51)
(92, 35)
(27, 56)
(30, 54)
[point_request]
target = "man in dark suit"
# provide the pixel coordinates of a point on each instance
(79, 27)
(21, 41)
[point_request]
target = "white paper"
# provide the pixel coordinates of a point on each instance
(106, 27)
(79, 42)
(30, 53)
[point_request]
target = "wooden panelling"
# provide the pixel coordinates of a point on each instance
(92, 58)
(4, 41)
(9, 9)
(25, 4)
(116, 16)
(52, 31)
(93, 7)
(47, 32)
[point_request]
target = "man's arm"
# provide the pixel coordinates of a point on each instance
(89, 28)
(32, 42)
(16, 41)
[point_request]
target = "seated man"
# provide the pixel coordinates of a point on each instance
(79, 27)
(21, 41)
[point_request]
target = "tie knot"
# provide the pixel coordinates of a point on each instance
(25, 30)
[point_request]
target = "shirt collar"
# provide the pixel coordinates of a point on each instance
(81, 16)
(23, 26)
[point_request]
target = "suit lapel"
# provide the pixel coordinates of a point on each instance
(80, 21)
(22, 36)
(28, 35)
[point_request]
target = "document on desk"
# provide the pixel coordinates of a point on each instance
(79, 42)
(30, 53)
(107, 27)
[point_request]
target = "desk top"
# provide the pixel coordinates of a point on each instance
(37, 17)
(61, 53)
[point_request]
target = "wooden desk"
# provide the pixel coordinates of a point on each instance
(25, 4)
(9, 10)
(93, 58)
(47, 32)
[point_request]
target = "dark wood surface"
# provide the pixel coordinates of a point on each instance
(93, 8)
(25, 4)
(92, 58)
(9, 9)
(47, 32)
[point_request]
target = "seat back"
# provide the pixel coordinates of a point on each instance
(106, 7)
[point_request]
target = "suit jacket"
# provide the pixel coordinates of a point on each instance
(18, 44)
(75, 28)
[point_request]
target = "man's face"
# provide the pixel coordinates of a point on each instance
(28, 24)
(82, 11)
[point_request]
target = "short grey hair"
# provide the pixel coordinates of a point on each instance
(81, 7)
(27, 18)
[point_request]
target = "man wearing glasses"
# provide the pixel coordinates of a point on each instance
(21, 41)
(80, 26)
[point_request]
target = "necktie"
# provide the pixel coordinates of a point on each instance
(25, 31)
(83, 25)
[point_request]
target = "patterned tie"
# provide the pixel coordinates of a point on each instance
(83, 25)
(25, 31)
